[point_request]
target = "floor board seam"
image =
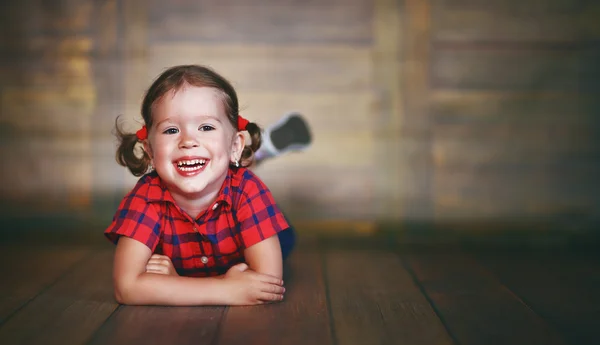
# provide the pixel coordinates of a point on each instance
(49, 286)
(219, 329)
(95, 333)
(421, 288)
(552, 325)
(323, 263)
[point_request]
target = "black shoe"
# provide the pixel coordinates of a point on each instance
(290, 133)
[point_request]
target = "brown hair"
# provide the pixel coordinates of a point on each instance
(173, 79)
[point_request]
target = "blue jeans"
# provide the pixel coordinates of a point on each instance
(287, 240)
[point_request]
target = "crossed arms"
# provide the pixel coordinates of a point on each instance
(141, 278)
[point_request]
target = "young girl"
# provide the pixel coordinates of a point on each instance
(198, 228)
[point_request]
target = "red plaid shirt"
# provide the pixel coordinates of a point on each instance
(243, 214)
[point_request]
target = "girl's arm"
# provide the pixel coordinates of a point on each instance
(133, 285)
(265, 257)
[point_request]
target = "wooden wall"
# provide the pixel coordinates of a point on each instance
(434, 110)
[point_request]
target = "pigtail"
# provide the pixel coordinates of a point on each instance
(126, 152)
(256, 140)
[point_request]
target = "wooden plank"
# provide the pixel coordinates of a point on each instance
(540, 21)
(512, 143)
(49, 173)
(475, 306)
(30, 19)
(389, 37)
(375, 301)
(310, 195)
(515, 194)
(415, 163)
(290, 68)
(135, 79)
(331, 112)
(36, 270)
(357, 153)
(160, 325)
(301, 318)
(273, 22)
(526, 108)
(524, 70)
(71, 310)
(560, 285)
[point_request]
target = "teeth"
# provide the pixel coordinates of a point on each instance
(191, 162)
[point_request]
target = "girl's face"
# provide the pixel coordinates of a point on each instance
(191, 142)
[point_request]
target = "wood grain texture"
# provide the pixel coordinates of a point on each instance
(475, 306)
(560, 286)
(375, 301)
(39, 268)
(273, 22)
(527, 108)
(415, 160)
(291, 68)
(332, 112)
(525, 70)
(51, 174)
(301, 318)
(328, 196)
(135, 78)
(160, 325)
(388, 115)
(525, 21)
(68, 312)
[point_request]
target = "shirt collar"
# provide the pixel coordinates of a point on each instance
(158, 191)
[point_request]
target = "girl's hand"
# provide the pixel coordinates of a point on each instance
(160, 264)
(246, 287)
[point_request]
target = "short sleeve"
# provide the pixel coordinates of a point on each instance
(258, 214)
(137, 219)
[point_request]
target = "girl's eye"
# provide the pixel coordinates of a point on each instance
(171, 131)
(206, 128)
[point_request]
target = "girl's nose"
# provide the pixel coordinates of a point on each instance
(187, 140)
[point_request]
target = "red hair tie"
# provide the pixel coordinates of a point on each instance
(142, 133)
(242, 123)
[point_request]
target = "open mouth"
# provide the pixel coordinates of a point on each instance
(191, 165)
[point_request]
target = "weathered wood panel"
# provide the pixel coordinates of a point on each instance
(327, 196)
(47, 95)
(513, 20)
(293, 68)
(374, 300)
(24, 279)
(160, 325)
(512, 69)
(71, 310)
(301, 318)
(473, 107)
(513, 109)
(559, 286)
(273, 22)
(475, 306)
(330, 112)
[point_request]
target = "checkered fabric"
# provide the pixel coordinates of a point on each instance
(243, 214)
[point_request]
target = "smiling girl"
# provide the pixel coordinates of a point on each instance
(198, 228)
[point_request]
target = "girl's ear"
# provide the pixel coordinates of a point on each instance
(148, 149)
(237, 146)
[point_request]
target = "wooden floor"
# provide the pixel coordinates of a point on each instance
(348, 293)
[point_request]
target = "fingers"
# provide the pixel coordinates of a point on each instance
(274, 289)
(270, 293)
(160, 269)
(160, 264)
(270, 279)
(157, 259)
(264, 278)
(241, 267)
(270, 297)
